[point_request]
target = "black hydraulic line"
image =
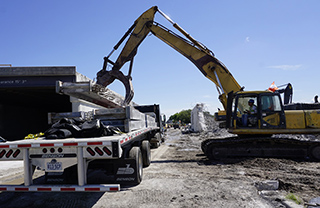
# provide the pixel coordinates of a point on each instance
(124, 36)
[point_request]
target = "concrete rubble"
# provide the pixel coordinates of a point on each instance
(198, 123)
(267, 185)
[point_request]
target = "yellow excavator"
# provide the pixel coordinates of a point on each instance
(259, 121)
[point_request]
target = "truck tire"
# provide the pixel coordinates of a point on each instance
(158, 136)
(156, 140)
(135, 154)
(146, 153)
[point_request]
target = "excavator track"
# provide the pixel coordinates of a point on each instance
(235, 147)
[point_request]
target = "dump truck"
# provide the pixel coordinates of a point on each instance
(97, 149)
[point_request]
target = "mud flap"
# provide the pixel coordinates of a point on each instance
(126, 172)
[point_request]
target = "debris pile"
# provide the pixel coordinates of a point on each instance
(198, 123)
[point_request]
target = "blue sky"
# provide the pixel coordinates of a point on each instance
(259, 42)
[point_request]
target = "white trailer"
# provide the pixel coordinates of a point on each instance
(67, 163)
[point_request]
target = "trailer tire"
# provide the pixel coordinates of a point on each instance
(146, 153)
(155, 144)
(158, 136)
(135, 154)
(156, 140)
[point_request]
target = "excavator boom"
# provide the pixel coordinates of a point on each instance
(196, 52)
(138, 31)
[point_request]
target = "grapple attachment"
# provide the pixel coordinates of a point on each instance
(105, 78)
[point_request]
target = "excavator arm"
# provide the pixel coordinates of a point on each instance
(196, 52)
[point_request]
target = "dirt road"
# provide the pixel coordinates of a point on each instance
(180, 176)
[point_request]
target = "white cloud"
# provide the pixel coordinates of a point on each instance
(247, 39)
(207, 96)
(286, 67)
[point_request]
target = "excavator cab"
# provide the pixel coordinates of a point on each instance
(257, 110)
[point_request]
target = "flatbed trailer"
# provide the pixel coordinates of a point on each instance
(66, 162)
(64, 153)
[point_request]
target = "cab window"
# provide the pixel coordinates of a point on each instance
(246, 111)
(271, 111)
(243, 104)
(270, 103)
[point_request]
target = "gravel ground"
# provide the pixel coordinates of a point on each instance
(181, 176)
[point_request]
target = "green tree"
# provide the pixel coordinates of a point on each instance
(184, 116)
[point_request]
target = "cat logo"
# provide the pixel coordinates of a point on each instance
(125, 171)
